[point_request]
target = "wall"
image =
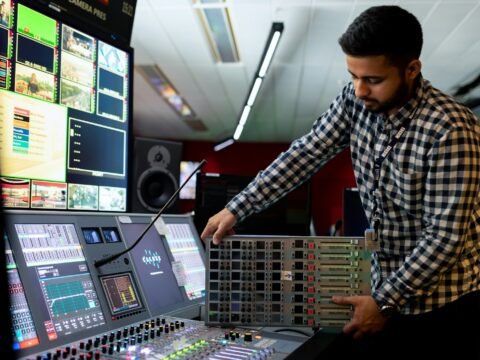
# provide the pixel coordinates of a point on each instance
(248, 158)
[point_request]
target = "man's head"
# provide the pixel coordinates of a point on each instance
(384, 30)
(383, 46)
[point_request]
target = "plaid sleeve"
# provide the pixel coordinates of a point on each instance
(328, 136)
(451, 194)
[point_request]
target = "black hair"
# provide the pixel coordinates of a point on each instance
(384, 30)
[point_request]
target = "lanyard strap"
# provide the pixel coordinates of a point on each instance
(388, 149)
(378, 164)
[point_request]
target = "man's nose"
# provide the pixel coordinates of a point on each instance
(361, 89)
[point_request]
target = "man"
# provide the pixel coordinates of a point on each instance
(416, 159)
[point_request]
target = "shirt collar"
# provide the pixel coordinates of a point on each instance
(409, 109)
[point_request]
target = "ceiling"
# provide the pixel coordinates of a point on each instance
(307, 72)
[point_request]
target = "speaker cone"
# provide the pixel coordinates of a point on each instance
(154, 187)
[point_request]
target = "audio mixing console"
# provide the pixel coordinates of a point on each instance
(284, 280)
(174, 338)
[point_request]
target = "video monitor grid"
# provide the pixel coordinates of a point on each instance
(51, 70)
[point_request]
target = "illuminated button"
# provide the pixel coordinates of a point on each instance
(247, 336)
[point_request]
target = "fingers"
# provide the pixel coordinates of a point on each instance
(207, 231)
(344, 300)
(218, 226)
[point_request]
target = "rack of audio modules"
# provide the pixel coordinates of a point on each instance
(284, 280)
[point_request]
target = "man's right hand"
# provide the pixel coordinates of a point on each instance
(219, 225)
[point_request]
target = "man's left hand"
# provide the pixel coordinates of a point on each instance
(366, 316)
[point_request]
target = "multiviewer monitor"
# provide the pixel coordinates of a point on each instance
(65, 110)
(170, 257)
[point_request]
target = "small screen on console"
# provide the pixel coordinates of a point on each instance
(186, 248)
(121, 293)
(111, 235)
(92, 235)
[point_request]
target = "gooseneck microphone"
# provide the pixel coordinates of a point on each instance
(110, 258)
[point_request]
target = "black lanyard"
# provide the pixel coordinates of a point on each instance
(378, 164)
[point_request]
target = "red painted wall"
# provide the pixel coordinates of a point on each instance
(249, 158)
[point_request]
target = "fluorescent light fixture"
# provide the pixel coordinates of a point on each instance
(269, 55)
(164, 87)
(254, 92)
(223, 144)
(238, 132)
(215, 19)
(269, 51)
(245, 113)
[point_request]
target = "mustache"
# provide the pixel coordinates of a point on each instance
(367, 99)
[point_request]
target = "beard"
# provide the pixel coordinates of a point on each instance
(396, 101)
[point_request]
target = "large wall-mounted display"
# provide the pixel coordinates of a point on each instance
(65, 109)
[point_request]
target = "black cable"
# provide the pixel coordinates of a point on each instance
(293, 330)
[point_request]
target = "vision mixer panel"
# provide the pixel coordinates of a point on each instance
(284, 281)
(171, 338)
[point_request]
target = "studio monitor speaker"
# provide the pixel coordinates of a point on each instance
(156, 174)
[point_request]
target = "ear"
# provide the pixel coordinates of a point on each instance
(413, 69)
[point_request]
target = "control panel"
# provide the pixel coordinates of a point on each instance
(59, 295)
(175, 338)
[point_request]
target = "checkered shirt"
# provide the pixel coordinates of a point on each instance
(428, 194)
